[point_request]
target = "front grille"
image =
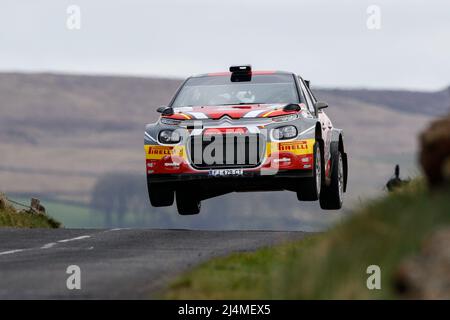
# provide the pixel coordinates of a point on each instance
(226, 151)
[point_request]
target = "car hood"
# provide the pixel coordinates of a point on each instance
(231, 111)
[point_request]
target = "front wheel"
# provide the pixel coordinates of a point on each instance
(187, 203)
(309, 189)
(160, 196)
(331, 197)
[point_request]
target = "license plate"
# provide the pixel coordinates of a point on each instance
(226, 172)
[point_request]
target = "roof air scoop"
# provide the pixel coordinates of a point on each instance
(241, 73)
(246, 69)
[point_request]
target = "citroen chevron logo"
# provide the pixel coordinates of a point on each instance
(226, 118)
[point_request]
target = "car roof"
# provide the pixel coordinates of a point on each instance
(227, 73)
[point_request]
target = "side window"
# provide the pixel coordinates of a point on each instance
(309, 100)
(312, 95)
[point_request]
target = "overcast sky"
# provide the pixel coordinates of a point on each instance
(325, 41)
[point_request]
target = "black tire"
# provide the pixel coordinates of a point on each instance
(187, 203)
(331, 197)
(309, 189)
(160, 196)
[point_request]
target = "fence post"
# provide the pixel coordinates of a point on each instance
(2, 201)
(35, 205)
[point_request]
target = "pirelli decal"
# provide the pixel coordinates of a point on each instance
(158, 152)
(298, 147)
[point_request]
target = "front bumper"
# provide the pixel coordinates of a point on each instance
(296, 155)
(284, 165)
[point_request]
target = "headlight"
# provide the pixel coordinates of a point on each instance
(283, 133)
(169, 136)
(170, 121)
(288, 117)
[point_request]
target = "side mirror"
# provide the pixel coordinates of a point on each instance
(320, 105)
(166, 111)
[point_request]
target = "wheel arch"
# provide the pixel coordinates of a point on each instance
(338, 138)
(318, 131)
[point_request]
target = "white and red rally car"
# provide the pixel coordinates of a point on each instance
(244, 130)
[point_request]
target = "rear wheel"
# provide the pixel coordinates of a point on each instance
(187, 203)
(331, 197)
(310, 188)
(160, 196)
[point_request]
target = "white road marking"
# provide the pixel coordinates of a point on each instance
(118, 229)
(48, 245)
(52, 244)
(74, 239)
(11, 251)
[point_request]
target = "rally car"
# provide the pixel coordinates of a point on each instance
(244, 130)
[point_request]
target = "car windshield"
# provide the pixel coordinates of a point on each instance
(221, 90)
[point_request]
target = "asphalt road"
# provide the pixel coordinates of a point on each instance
(115, 263)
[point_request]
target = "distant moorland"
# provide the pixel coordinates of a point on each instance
(61, 134)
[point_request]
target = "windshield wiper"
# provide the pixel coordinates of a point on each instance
(225, 104)
(241, 103)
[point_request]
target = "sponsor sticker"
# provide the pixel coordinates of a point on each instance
(293, 146)
(159, 152)
(299, 147)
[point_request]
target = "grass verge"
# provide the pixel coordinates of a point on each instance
(331, 265)
(10, 217)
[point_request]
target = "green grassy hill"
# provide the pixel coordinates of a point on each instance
(10, 217)
(331, 265)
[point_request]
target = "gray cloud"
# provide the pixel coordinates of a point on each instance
(326, 41)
